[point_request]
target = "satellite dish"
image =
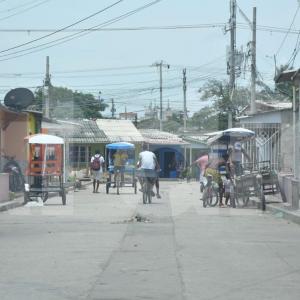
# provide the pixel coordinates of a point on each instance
(19, 98)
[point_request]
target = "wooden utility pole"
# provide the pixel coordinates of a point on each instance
(253, 64)
(184, 100)
(113, 109)
(160, 65)
(47, 85)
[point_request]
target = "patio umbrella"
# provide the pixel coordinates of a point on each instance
(231, 135)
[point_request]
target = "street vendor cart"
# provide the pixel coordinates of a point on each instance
(120, 175)
(250, 182)
(45, 167)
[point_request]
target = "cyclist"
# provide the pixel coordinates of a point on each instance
(120, 159)
(212, 168)
(148, 163)
(202, 162)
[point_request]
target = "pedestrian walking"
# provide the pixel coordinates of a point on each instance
(202, 162)
(96, 166)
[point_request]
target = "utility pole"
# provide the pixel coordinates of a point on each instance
(113, 109)
(160, 65)
(253, 64)
(47, 84)
(253, 59)
(184, 100)
(232, 56)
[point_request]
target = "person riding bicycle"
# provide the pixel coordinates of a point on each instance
(148, 163)
(120, 159)
(213, 169)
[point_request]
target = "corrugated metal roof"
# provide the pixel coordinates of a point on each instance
(77, 131)
(120, 130)
(154, 136)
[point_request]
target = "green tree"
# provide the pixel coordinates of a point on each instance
(66, 103)
(284, 88)
(216, 116)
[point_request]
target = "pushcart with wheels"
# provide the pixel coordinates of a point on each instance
(247, 186)
(119, 177)
(45, 168)
(250, 183)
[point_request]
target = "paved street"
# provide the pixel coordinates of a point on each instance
(93, 249)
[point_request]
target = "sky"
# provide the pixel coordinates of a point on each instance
(120, 63)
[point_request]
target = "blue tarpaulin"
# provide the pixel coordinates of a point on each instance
(120, 146)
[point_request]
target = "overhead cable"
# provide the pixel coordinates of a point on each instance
(24, 10)
(64, 28)
(285, 37)
(77, 35)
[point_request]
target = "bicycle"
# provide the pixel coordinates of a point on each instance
(147, 180)
(210, 193)
(147, 189)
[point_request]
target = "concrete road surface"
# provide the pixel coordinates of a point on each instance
(93, 248)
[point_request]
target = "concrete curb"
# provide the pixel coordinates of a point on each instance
(11, 204)
(284, 213)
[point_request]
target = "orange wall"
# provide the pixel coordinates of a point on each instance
(12, 138)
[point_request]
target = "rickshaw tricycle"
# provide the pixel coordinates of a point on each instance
(45, 167)
(250, 182)
(120, 175)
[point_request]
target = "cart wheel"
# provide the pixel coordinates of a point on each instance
(45, 196)
(118, 187)
(241, 200)
(63, 197)
(26, 197)
(213, 198)
(262, 198)
(107, 188)
(245, 199)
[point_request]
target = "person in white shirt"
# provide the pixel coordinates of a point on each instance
(148, 161)
(96, 166)
(236, 152)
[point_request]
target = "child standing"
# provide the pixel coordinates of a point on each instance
(228, 187)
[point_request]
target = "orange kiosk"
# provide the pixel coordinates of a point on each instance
(45, 167)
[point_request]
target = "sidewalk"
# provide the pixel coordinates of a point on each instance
(275, 206)
(19, 198)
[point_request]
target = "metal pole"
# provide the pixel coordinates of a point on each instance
(184, 100)
(297, 153)
(160, 97)
(253, 64)
(232, 56)
(160, 65)
(294, 131)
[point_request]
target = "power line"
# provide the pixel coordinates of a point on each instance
(148, 28)
(80, 34)
(18, 7)
(284, 39)
(64, 28)
(24, 10)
